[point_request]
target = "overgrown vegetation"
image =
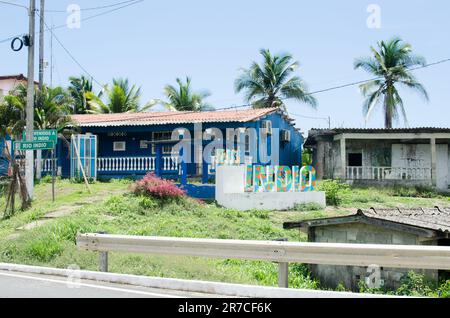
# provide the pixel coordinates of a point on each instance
(334, 191)
(53, 244)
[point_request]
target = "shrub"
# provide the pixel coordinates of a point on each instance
(303, 207)
(414, 192)
(44, 249)
(414, 284)
(333, 191)
(156, 187)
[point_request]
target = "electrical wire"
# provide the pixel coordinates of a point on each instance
(93, 8)
(70, 54)
(83, 19)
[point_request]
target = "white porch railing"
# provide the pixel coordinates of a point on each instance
(46, 164)
(135, 163)
(387, 173)
(170, 163)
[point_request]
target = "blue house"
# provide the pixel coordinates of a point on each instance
(132, 144)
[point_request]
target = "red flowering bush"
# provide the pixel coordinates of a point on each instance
(156, 187)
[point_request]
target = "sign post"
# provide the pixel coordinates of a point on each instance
(42, 140)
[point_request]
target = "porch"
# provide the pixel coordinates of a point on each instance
(387, 173)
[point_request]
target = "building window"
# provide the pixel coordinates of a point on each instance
(119, 146)
(355, 159)
(162, 136)
(143, 144)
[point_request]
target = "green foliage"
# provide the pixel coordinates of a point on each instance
(444, 289)
(183, 98)
(415, 284)
(43, 249)
(334, 190)
(390, 64)
(303, 207)
(269, 83)
(414, 192)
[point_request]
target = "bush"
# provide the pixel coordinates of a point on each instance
(415, 285)
(333, 191)
(414, 192)
(156, 187)
(44, 249)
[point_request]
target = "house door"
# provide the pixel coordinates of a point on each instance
(442, 167)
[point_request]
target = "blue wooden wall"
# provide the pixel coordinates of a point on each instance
(290, 153)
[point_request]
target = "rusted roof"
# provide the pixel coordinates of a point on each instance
(435, 219)
(17, 77)
(170, 117)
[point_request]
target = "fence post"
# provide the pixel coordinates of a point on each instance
(283, 270)
(103, 259)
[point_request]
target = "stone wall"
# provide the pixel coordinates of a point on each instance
(349, 276)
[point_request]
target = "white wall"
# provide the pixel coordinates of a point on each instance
(230, 193)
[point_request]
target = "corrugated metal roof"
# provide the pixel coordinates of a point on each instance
(170, 117)
(436, 219)
(416, 130)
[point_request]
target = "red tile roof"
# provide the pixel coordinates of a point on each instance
(170, 117)
(17, 77)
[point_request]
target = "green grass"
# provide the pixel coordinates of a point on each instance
(53, 244)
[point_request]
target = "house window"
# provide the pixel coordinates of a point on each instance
(162, 136)
(355, 159)
(119, 146)
(143, 144)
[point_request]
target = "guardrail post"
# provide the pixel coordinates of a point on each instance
(283, 270)
(103, 259)
(283, 275)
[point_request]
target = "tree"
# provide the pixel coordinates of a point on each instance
(121, 98)
(12, 123)
(270, 83)
(391, 65)
(183, 98)
(78, 89)
(51, 111)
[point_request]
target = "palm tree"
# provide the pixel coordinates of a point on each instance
(121, 98)
(78, 89)
(268, 84)
(182, 98)
(51, 111)
(390, 64)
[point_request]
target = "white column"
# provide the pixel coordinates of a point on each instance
(433, 161)
(343, 158)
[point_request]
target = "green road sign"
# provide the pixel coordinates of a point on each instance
(46, 135)
(33, 145)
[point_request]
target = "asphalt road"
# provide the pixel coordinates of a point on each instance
(25, 285)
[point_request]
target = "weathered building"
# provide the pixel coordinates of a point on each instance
(412, 156)
(376, 226)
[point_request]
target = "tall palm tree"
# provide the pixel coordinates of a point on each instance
(78, 89)
(121, 98)
(270, 83)
(390, 64)
(183, 98)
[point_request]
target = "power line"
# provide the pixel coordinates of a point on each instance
(93, 8)
(70, 54)
(82, 20)
(14, 4)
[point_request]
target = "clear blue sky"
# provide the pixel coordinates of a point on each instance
(153, 42)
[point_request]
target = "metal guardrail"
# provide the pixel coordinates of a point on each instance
(396, 256)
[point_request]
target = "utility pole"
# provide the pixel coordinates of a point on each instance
(29, 155)
(41, 44)
(41, 76)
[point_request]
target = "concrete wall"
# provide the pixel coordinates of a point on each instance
(230, 193)
(349, 276)
(383, 153)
